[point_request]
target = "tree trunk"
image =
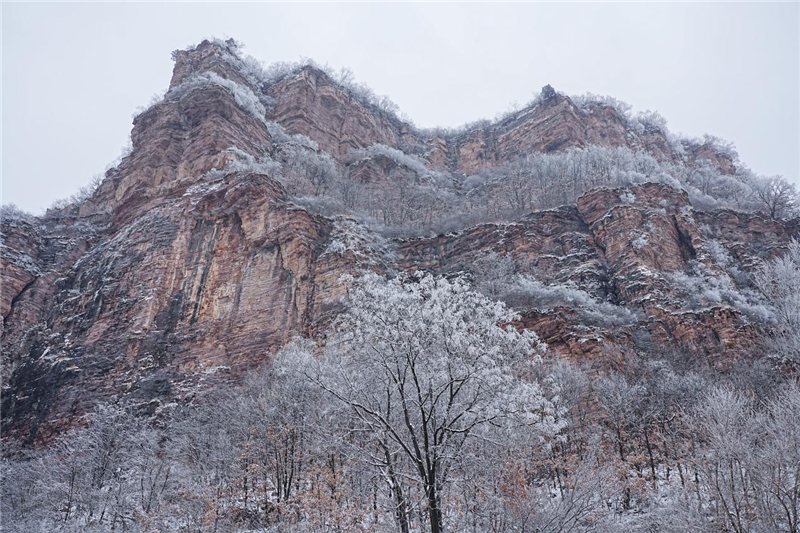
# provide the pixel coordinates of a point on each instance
(650, 454)
(401, 507)
(434, 510)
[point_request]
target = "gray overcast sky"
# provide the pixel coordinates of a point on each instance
(73, 74)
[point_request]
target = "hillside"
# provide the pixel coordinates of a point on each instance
(253, 197)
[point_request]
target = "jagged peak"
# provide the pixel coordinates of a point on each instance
(218, 62)
(249, 70)
(207, 47)
(217, 56)
(202, 57)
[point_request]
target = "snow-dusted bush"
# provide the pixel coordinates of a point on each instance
(588, 100)
(10, 213)
(650, 120)
(280, 136)
(335, 247)
(702, 288)
(368, 247)
(498, 277)
(493, 273)
(317, 169)
(411, 162)
(726, 148)
(307, 170)
(83, 193)
(155, 99)
(719, 254)
(245, 162)
(778, 280)
(640, 237)
(536, 294)
(640, 241)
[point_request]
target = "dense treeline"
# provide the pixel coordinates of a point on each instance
(425, 410)
(411, 199)
(401, 196)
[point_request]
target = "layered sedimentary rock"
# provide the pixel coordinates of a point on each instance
(622, 246)
(312, 104)
(209, 282)
(173, 279)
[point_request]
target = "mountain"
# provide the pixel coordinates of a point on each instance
(251, 194)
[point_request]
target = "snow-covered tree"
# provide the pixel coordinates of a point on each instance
(779, 281)
(102, 477)
(425, 366)
(776, 196)
(749, 461)
(316, 168)
(493, 273)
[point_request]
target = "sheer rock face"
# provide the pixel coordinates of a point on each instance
(310, 103)
(194, 291)
(623, 246)
(172, 280)
(21, 245)
(174, 144)
(206, 57)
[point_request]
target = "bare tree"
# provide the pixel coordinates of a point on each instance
(779, 281)
(776, 195)
(425, 365)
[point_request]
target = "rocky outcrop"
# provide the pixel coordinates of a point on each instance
(312, 104)
(196, 290)
(208, 57)
(622, 246)
(174, 144)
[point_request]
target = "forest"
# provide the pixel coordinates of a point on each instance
(425, 409)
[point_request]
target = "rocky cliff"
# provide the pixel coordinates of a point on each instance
(311, 103)
(182, 272)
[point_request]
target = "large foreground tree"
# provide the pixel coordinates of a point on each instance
(425, 366)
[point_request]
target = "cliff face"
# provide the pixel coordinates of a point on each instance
(624, 246)
(209, 282)
(172, 279)
(310, 103)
